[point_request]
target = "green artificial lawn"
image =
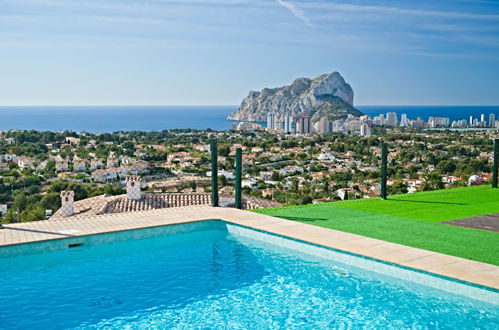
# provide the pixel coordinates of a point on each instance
(435, 206)
(411, 220)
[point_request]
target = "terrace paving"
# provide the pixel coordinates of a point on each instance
(432, 262)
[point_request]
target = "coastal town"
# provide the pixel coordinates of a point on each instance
(364, 125)
(289, 169)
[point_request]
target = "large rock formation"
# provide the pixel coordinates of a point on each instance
(327, 95)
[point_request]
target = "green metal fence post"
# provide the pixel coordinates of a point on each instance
(496, 165)
(214, 173)
(239, 165)
(384, 156)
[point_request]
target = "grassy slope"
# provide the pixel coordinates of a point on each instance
(381, 222)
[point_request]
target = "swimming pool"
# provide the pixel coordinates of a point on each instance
(213, 274)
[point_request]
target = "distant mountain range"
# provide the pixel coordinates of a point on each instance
(325, 96)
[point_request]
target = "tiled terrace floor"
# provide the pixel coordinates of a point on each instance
(454, 267)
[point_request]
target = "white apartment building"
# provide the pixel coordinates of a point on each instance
(304, 125)
(391, 119)
(404, 121)
(270, 121)
(288, 124)
(365, 130)
(323, 125)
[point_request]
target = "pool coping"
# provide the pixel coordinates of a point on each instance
(465, 270)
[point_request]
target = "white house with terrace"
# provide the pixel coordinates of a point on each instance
(61, 164)
(25, 162)
(96, 163)
(10, 157)
(79, 164)
(112, 161)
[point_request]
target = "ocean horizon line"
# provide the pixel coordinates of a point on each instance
(109, 118)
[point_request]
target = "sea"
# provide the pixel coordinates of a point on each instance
(104, 119)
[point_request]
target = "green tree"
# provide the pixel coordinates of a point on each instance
(398, 187)
(433, 181)
(20, 202)
(224, 150)
(446, 167)
(222, 180)
(51, 201)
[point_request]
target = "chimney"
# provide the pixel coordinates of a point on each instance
(68, 204)
(133, 187)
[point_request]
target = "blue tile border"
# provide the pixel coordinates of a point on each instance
(448, 284)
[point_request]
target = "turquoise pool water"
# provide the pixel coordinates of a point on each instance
(214, 275)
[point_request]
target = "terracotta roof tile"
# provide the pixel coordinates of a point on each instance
(120, 204)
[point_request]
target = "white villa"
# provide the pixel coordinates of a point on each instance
(3, 209)
(24, 162)
(227, 174)
(10, 157)
(80, 164)
(103, 176)
(290, 170)
(325, 157)
(250, 183)
(266, 175)
(72, 140)
(61, 164)
(96, 163)
(202, 147)
(128, 160)
(112, 162)
(180, 156)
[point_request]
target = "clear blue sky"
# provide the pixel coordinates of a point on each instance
(107, 52)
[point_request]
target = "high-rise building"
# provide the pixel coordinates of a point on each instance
(365, 130)
(404, 122)
(305, 125)
(492, 120)
(379, 120)
(288, 124)
(337, 126)
(270, 121)
(391, 119)
(434, 122)
(418, 123)
(299, 126)
(324, 125)
(471, 121)
(482, 117)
